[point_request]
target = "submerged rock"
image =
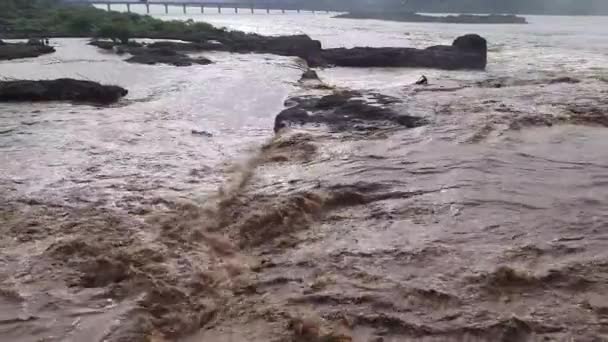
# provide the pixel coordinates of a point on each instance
(178, 46)
(201, 133)
(344, 111)
(109, 45)
(466, 52)
(63, 89)
(154, 53)
(32, 48)
(164, 56)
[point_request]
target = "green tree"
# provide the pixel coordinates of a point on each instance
(117, 31)
(80, 24)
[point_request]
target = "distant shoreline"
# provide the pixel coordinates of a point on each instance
(448, 19)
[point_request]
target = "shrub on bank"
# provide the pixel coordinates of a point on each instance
(29, 18)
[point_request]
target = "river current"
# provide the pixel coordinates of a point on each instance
(162, 216)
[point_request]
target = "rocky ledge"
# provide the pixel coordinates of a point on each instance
(345, 110)
(164, 56)
(63, 89)
(450, 19)
(466, 52)
(33, 48)
(154, 53)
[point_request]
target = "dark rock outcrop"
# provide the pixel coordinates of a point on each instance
(298, 45)
(110, 45)
(450, 19)
(155, 53)
(164, 56)
(311, 80)
(32, 48)
(188, 47)
(309, 75)
(63, 89)
(344, 111)
(466, 52)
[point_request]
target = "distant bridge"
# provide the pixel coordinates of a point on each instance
(252, 5)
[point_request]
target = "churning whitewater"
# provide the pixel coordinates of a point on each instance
(469, 209)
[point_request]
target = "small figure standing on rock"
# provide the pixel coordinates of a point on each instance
(422, 81)
(47, 42)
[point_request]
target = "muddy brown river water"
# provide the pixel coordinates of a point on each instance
(487, 223)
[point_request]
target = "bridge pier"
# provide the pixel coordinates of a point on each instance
(166, 9)
(219, 9)
(202, 9)
(268, 10)
(185, 9)
(128, 7)
(109, 7)
(236, 10)
(251, 10)
(298, 10)
(283, 10)
(147, 8)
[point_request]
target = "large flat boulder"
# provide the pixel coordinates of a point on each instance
(63, 89)
(466, 52)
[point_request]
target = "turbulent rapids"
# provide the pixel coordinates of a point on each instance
(252, 200)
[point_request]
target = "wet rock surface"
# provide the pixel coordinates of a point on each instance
(32, 48)
(466, 52)
(112, 45)
(153, 56)
(63, 89)
(297, 45)
(344, 110)
(155, 53)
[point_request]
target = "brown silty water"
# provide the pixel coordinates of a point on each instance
(485, 222)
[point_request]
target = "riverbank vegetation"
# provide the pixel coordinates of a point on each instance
(48, 18)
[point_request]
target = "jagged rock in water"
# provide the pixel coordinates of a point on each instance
(311, 80)
(309, 75)
(155, 53)
(344, 111)
(63, 89)
(466, 52)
